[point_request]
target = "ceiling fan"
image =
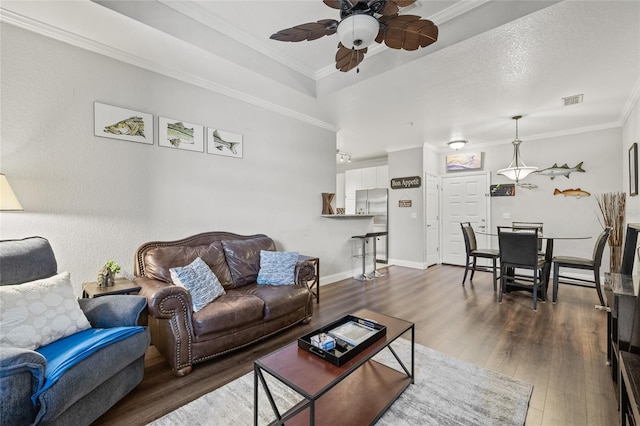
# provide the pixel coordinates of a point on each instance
(362, 22)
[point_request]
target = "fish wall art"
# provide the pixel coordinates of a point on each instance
(572, 193)
(563, 170)
(180, 134)
(221, 142)
(121, 123)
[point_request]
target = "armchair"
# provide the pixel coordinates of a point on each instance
(93, 384)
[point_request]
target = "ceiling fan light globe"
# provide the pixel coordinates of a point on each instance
(358, 31)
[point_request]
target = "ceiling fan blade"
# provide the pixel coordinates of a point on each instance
(392, 7)
(407, 32)
(309, 31)
(347, 59)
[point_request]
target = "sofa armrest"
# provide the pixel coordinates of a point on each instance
(164, 298)
(21, 374)
(304, 272)
(170, 320)
(114, 310)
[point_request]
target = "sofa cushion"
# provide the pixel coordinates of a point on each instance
(37, 313)
(279, 300)
(232, 310)
(200, 281)
(65, 353)
(277, 267)
(25, 260)
(159, 260)
(102, 372)
(243, 258)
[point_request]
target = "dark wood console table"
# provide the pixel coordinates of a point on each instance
(623, 319)
(629, 388)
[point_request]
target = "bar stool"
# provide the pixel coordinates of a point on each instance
(375, 235)
(363, 276)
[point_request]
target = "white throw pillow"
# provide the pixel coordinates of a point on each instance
(37, 313)
(201, 282)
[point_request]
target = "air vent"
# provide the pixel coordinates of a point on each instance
(572, 100)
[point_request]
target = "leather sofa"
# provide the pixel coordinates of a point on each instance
(246, 313)
(88, 388)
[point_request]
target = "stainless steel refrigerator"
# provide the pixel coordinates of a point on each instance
(376, 202)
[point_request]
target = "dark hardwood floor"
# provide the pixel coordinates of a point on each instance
(560, 349)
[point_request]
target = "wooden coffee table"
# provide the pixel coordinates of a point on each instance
(356, 393)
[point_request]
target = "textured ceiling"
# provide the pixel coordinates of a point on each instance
(493, 60)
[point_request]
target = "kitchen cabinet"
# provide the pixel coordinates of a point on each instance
(365, 178)
(352, 182)
(368, 178)
(382, 177)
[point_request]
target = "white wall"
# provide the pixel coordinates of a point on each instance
(630, 135)
(406, 233)
(97, 199)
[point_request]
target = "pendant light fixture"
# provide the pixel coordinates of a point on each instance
(517, 170)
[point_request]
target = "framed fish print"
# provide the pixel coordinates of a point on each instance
(633, 169)
(120, 123)
(221, 142)
(180, 135)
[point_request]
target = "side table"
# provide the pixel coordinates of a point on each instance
(121, 286)
(314, 286)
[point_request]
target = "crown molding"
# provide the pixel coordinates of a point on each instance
(531, 138)
(220, 25)
(631, 102)
(82, 42)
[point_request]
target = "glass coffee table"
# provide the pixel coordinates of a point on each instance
(356, 393)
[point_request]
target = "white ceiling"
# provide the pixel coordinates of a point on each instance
(494, 59)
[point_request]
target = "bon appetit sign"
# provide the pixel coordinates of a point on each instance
(406, 182)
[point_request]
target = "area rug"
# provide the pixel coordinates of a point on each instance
(446, 391)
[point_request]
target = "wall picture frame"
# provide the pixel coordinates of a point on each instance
(464, 161)
(633, 169)
(180, 134)
(222, 142)
(123, 124)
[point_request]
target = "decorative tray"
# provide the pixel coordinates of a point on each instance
(351, 335)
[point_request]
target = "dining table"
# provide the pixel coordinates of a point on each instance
(549, 237)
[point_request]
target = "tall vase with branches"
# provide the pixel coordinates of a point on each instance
(612, 207)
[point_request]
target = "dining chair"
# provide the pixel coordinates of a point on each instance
(518, 248)
(592, 264)
(473, 253)
(537, 225)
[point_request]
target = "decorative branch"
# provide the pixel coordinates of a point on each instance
(612, 206)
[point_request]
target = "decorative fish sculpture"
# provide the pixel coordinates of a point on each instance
(527, 185)
(132, 126)
(563, 170)
(572, 192)
(220, 143)
(177, 133)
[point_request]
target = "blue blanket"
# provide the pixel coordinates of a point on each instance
(67, 352)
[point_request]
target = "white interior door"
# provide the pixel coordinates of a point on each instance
(464, 199)
(433, 223)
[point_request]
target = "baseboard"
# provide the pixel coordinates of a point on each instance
(407, 264)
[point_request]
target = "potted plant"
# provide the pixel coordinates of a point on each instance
(107, 274)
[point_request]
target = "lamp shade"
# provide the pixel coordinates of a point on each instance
(358, 31)
(8, 199)
(516, 174)
(457, 144)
